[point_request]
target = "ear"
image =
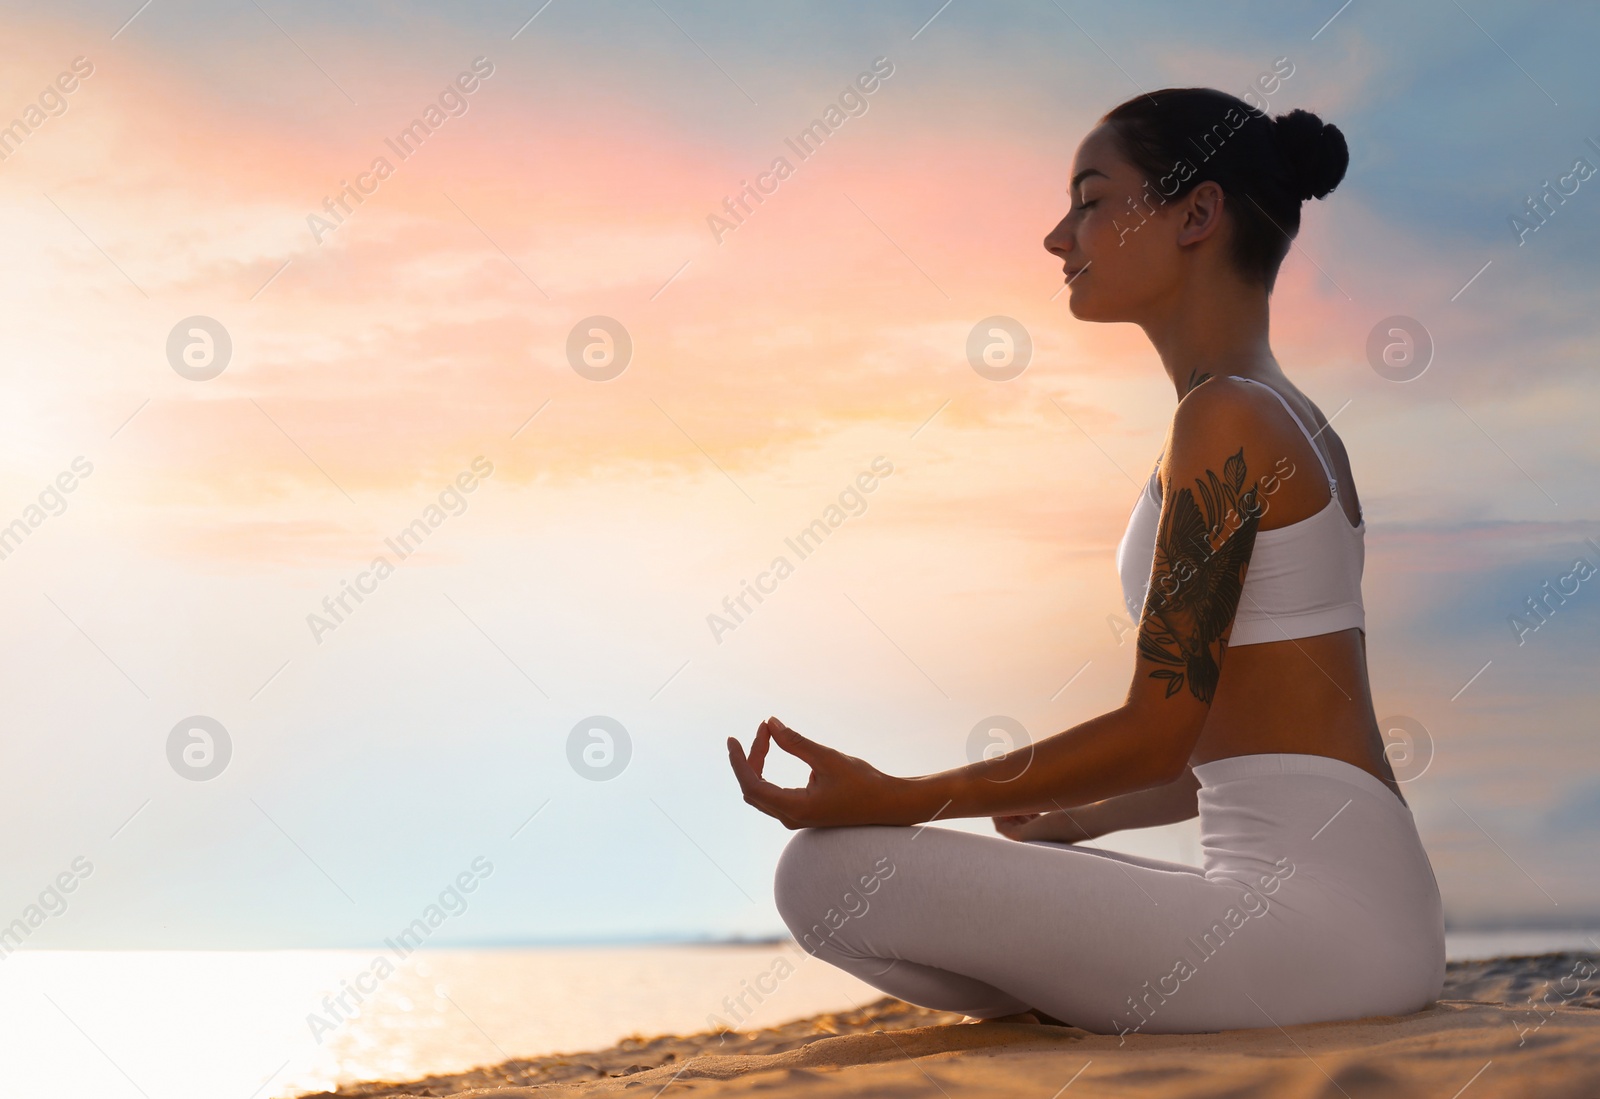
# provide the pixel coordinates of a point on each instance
(1202, 213)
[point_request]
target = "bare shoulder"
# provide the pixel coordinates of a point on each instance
(1225, 418)
(1221, 411)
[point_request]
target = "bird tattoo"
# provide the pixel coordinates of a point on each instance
(1198, 577)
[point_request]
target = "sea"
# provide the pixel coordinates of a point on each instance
(278, 1024)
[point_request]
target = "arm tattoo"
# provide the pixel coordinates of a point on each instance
(1197, 579)
(1193, 381)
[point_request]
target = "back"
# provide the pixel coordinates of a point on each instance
(1303, 687)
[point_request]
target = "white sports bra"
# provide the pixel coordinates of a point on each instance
(1303, 579)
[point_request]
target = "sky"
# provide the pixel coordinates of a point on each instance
(258, 358)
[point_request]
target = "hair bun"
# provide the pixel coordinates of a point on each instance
(1313, 151)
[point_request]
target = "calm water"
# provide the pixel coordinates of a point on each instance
(257, 1025)
(254, 1025)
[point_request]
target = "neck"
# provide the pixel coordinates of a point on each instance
(1215, 327)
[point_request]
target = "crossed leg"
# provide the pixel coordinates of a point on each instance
(992, 928)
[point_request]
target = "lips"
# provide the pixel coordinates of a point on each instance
(1073, 273)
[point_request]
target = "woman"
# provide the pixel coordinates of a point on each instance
(1249, 706)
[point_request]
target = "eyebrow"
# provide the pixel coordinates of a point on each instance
(1079, 178)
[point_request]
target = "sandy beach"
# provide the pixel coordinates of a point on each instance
(1509, 1026)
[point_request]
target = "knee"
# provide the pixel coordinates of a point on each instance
(823, 878)
(800, 879)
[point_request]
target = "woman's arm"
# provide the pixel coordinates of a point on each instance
(1176, 801)
(1203, 545)
(1124, 753)
(1130, 748)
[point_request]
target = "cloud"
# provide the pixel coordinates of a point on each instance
(1576, 817)
(829, 327)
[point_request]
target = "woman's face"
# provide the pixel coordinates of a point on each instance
(1117, 241)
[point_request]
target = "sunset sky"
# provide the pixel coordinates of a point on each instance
(423, 337)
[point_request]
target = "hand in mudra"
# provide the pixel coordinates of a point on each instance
(843, 790)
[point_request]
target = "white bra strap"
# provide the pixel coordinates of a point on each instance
(1333, 482)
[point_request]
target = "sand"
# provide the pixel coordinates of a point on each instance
(1507, 1027)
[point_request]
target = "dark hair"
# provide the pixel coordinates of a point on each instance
(1266, 166)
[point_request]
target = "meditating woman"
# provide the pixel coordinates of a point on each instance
(1249, 705)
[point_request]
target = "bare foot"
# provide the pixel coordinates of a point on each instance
(1019, 1017)
(1033, 1017)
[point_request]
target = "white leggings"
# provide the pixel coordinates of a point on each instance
(1315, 902)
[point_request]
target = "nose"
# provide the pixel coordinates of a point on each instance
(1058, 242)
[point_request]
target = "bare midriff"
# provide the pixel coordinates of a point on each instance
(1306, 695)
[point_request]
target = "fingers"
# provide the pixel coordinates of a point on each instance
(757, 758)
(781, 803)
(750, 780)
(808, 751)
(758, 748)
(1014, 826)
(773, 800)
(742, 770)
(777, 802)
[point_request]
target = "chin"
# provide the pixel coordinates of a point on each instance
(1084, 307)
(1080, 306)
